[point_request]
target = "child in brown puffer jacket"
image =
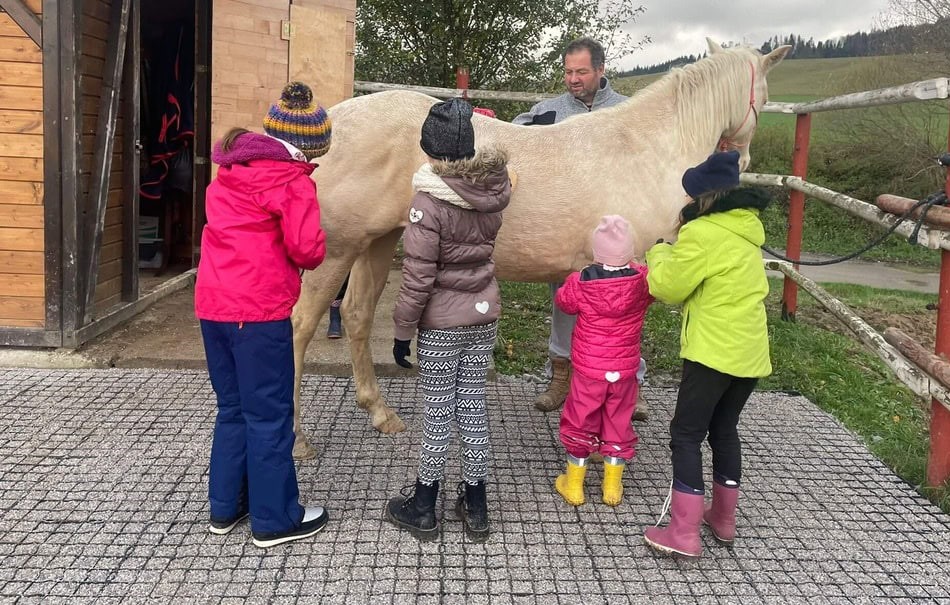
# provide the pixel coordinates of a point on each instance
(450, 295)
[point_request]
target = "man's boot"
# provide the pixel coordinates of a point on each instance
(642, 411)
(416, 511)
(554, 397)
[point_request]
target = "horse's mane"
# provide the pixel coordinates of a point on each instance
(725, 73)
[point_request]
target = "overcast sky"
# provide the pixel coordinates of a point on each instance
(679, 27)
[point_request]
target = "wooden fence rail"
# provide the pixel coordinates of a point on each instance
(928, 236)
(908, 373)
(938, 88)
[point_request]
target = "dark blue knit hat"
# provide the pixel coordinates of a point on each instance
(719, 172)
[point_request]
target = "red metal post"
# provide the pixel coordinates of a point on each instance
(938, 464)
(796, 213)
(461, 80)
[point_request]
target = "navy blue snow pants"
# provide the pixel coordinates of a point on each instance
(251, 365)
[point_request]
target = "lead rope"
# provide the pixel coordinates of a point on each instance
(937, 199)
(666, 505)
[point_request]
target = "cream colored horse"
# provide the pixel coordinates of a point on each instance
(626, 160)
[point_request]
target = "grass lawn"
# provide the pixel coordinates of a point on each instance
(811, 356)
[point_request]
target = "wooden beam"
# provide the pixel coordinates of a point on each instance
(30, 337)
(937, 216)
(925, 90)
(25, 18)
(929, 237)
(448, 93)
(931, 363)
(51, 190)
(913, 377)
(126, 311)
(105, 142)
(70, 193)
(131, 148)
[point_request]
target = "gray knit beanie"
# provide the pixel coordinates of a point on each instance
(447, 133)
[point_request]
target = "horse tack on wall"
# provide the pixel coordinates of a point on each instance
(625, 160)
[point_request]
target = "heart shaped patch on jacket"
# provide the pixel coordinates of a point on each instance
(612, 376)
(415, 215)
(482, 307)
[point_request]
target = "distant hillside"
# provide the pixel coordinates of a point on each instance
(816, 78)
(894, 41)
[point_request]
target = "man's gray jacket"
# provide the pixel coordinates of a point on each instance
(552, 111)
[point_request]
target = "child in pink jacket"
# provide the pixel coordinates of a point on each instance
(263, 230)
(610, 299)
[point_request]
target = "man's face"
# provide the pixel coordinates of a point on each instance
(580, 77)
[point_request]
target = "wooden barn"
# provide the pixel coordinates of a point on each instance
(108, 109)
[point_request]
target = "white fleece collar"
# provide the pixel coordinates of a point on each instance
(426, 180)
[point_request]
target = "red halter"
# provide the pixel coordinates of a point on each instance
(726, 141)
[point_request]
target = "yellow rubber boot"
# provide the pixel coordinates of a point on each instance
(571, 484)
(613, 488)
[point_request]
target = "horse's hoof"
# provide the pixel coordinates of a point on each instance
(391, 424)
(303, 450)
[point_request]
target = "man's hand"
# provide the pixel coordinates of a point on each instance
(400, 352)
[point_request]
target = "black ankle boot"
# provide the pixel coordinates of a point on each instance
(472, 509)
(416, 511)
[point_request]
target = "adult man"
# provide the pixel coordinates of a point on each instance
(587, 90)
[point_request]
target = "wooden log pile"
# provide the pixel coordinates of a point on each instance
(937, 216)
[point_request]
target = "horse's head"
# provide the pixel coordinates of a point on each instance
(753, 89)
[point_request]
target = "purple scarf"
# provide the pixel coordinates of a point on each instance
(251, 146)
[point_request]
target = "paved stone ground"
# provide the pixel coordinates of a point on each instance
(102, 500)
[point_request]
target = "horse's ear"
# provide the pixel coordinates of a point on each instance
(714, 47)
(775, 57)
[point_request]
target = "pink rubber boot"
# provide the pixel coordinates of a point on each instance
(681, 536)
(720, 515)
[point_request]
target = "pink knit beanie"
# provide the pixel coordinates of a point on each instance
(612, 241)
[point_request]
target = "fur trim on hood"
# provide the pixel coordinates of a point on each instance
(486, 161)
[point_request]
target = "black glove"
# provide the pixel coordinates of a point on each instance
(401, 351)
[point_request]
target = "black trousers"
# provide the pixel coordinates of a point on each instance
(709, 403)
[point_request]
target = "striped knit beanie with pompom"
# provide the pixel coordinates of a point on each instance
(295, 118)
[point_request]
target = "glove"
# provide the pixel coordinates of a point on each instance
(400, 352)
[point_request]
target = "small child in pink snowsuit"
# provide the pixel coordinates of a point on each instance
(610, 299)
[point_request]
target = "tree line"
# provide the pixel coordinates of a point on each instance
(902, 39)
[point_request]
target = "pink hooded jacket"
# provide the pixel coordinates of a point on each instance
(263, 228)
(610, 311)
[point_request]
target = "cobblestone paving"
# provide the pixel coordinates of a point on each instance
(103, 500)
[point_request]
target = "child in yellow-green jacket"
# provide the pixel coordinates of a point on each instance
(715, 271)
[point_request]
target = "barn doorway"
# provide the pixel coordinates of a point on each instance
(174, 135)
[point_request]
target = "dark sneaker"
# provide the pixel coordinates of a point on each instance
(314, 519)
(224, 527)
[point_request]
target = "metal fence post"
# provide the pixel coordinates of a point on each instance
(938, 463)
(461, 81)
(796, 213)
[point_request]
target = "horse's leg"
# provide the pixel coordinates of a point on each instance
(367, 281)
(317, 291)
